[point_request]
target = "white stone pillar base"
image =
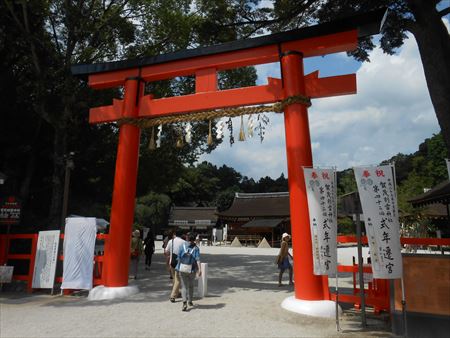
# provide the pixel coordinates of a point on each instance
(102, 292)
(314, 308)
(202, 289)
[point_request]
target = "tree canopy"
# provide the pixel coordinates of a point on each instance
(47, 108)
(423, 19)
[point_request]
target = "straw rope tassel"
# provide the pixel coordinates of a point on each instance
(210, 139)
(151, 144)
(214, 114)
(180, 140)
(241, 131)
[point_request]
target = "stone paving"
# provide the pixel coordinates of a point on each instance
(243, 300)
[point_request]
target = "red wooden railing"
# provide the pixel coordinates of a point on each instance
(5, 241)
(377, 293)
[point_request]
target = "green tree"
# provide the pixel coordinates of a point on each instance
(225, 198)
(346, 182)
(425, 169)
(152, 210)
(421, 18)
(40, 41)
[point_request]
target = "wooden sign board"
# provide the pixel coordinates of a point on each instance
(6, 273)
(427, 284)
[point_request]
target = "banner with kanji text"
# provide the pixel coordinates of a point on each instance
(321, 194)
(376, 187)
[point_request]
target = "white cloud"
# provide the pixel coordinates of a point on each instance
(391, 113)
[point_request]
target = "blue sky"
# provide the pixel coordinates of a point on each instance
(390, 114)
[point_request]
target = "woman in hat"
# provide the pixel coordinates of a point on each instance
(136, 251)
(283, 259)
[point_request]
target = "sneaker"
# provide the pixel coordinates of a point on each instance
(172, 300)
(184, 308)
(190, 304)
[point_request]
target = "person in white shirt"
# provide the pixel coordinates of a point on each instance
(172, 250)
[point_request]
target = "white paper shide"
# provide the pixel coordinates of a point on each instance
(321, 193)
(376, 187)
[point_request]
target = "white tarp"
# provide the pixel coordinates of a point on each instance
(321, 193)
(46, 259)
(376, 186)
(79, 243)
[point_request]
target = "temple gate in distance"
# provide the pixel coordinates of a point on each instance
(289, 48)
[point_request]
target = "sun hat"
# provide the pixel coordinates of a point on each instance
(136, 233)
(285, 235)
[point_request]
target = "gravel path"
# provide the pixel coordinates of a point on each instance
(243, 301)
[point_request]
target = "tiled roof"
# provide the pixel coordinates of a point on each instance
(258, 205)
(193, 215)
(263, 223)
(439, 194)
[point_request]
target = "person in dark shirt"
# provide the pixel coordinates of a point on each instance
(149, 244)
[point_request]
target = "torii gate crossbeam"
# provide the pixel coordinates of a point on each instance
(289, 48)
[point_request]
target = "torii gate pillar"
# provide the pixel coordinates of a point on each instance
(299, 154)
(122, 210)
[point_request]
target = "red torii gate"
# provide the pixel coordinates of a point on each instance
(289, 48)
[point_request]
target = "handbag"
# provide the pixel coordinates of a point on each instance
(173, 259)
(187, 268)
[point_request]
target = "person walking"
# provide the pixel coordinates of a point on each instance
(188, 265)
(283, 259)
(136, 252)
(171, 251)
(149, 248)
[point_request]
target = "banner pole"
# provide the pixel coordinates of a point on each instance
(337, 278)
(405, 326)
(360, 270)
(337, 301)
(405, 322)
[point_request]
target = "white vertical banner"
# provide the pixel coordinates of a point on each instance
(376, 187)
(79, 246)
(447, 161)
(321, 194)
(46, 260)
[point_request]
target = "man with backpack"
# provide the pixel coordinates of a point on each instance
(172, 250)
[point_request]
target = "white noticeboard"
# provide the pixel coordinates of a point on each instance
(79, 244)
(46, 260)
(6, 273)
(321, 193)
(376, 187)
